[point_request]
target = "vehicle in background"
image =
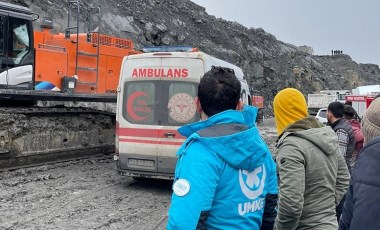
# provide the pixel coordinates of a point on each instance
(322, 116)
(317, 101)
(362, 96)
(43, 66)
(360, 103)
(58, 66)
(156, 95)
(341, 94)
(258, 101)
(366, 90)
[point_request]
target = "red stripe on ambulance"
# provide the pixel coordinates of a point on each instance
(153, 133)
(149, 141)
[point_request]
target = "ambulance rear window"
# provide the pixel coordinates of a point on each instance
(139, 102)
(160, 102)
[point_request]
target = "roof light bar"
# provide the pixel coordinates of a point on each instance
(152, 49)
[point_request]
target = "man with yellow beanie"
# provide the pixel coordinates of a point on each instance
(361, 208)
(313, 176)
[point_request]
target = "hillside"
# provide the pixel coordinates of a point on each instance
(269, 64)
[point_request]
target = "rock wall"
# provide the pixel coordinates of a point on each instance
(270, 65)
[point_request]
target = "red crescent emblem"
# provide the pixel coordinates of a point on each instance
(130, 102)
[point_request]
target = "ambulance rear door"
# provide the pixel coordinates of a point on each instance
(157, 98)
(137, 117)
(179, 85)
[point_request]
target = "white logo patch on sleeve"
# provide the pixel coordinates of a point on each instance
(181, 187)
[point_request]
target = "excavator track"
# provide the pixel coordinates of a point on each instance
(33, 136)
(53, 158)
(50, 110)
(29, 162)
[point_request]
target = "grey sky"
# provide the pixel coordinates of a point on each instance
(349, 25)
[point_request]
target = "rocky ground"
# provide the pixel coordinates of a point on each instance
(269, 133)
(86, 194)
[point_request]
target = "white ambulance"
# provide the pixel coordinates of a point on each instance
(156, 95)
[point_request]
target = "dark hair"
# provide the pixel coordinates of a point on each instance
(349, 112)
(348, 103)
(219, 90)
(336, 108)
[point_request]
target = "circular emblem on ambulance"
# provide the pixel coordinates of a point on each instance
(181, 187)
(137, 106)
(181, 107)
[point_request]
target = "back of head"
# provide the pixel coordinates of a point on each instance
(336, 108)
(289, 106)
(371, 121)
(219, 90)
(348, 103)
(349, 112)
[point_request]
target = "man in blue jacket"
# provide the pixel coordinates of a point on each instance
(225, 177)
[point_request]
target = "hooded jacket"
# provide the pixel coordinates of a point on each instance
(313, 176)
(359, 137)
(223, 175)
(361, 208)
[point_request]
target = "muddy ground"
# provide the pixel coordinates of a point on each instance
(86, 194)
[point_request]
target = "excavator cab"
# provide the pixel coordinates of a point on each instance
(42, 65)
(16, 47)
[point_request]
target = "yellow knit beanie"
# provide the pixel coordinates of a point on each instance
(289, 106)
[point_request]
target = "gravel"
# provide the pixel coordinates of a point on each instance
(86, 194)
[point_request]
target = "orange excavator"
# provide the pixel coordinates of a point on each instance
(40, 65)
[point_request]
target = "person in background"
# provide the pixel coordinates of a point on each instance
(346, 138)
(313, 176)
(361, 209)
(349, 114)
(348, 102)
(356, 116)
(225, 177)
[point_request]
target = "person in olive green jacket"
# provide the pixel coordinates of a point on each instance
(313, 176)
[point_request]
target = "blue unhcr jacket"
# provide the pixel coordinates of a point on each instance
(225, 177)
